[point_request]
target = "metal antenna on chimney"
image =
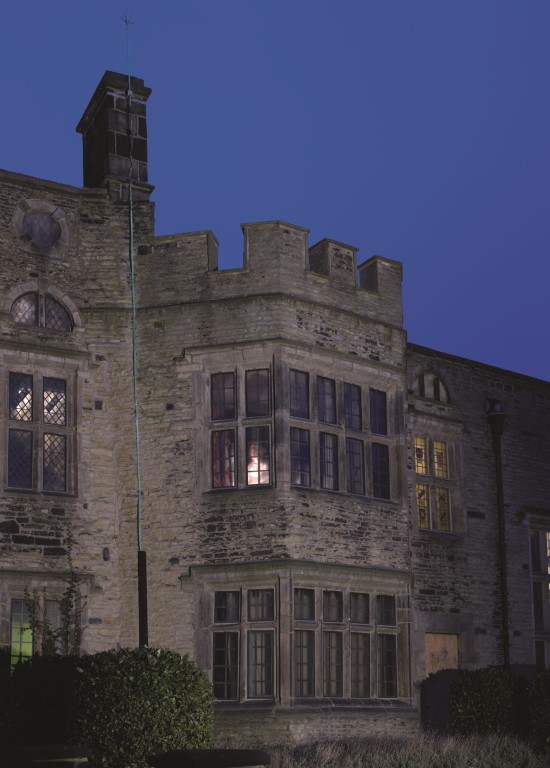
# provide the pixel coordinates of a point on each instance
(142, 561)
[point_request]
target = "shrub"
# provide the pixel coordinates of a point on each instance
(539, 706)
(133, 703)
(489, 700)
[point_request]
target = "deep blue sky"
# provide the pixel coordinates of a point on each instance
(414, 129)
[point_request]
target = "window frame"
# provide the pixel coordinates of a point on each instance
(300, 464)
(299, 408)
(221, 403)
(378, 411)
(353, 416)
(327, 411)
(433, 483)
(252, 409)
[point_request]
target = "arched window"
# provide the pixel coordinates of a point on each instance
(41, 310)
(430, 386)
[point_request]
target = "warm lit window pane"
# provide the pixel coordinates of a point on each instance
(223, 458)
(328, 456)
(257, 456)
(20, 397)
(423, 505)
(300, 473)
(223, 395)
(420, 456)
(55, 401)
(441, 466)
(443, 509)
(257, 393)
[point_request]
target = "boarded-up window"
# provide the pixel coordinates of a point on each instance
(441, 652)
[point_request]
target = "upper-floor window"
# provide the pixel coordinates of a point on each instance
(258, 462)
(299, 394)
(430, 386)
(381, 471)
(328, 461)
(300, 462)
(433, 492)
(352, 407)
(378, 412)
(42, 310)
(37, 432)
(326, 400)
(223, 396)
(257, 393)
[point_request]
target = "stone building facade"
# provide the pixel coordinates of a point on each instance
(329, 513)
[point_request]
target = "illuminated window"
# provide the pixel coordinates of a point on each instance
(41, 310)
(433, 499)
(37, 433)
(441, 467)
(420, 456)
(258, 456)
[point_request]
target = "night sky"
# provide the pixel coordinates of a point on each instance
(414, 129)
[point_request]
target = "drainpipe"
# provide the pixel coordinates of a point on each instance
(496, 417)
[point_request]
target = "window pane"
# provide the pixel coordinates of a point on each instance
(41, 228)
(326, 398)
(360, 666)
(20, 459)
(355, 466)
(443, 509)
(385, 610)
(54, 476)
(20, 397)
(55, 401)
(25, 309)
(227, 607)
(223, 395)
(223, 458)
(260, 605)
(423, 505)
(257, 393)
(359, 608)
(352, 406)
(304, 663)
(56, 316)
(378, 412)
(441, 466)
(257, 456)
(304, 604)
(332, 663)
(299, 394)
(21, 640)
(380, 471)
(328, 457)
(420, 456)
(226, 665)
(300, 469)
(387, 666)
(260, 665)
(332, 606)
(539, 598)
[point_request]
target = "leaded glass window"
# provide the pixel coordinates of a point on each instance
(299, 394)
(42, 310)
(260, 664)
(258, 450)
(300, 464)
(352, 406)
(257, 393)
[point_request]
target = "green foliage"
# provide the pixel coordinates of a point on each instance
(133, 703)
(489, 700)
(539, 706)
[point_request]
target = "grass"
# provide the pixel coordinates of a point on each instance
(422, 751)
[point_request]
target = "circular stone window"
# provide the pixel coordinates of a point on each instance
(43, 225)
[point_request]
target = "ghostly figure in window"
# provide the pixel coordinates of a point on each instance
(257, 456)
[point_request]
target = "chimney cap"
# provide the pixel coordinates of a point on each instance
(112, 81)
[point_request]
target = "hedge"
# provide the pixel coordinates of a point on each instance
(539, 706)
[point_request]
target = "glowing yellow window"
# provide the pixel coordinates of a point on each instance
(420, 456)
(443, 510)
(441, 465)
(423, 505)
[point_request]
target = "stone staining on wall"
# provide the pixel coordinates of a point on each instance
(297, 595)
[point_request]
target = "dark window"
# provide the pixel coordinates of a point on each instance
(332, 606)
(304, 663)
(360, 665)
(257, 456)
(223, 396)
(56, 317)
(437, 389)
(226, 665)
(223, 458)
(359, 608)
(300, 468)
(328, 459)
(352, 406)
(385, 610)
(326, 400)
(260, 664)
(227, 607)
(257, 393)
(37, 458)
(378, 412)
(304, 604)
(380, 471)
(299, 394)
(260, 605)
(387, 666)
(355, 466)
(332, 663)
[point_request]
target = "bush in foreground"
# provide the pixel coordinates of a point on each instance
(539, 707)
